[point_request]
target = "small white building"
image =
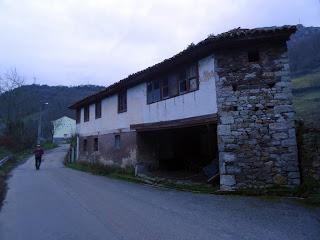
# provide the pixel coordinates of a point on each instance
(63, 129)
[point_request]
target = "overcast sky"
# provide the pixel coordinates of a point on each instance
(73, 42)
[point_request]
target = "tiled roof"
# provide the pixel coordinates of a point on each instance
(191, 52)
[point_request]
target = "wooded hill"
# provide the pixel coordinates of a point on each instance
(304, 56)
(20, 108)
(304, 51)
(28, 98)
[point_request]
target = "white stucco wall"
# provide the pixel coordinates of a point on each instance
(64, 127)
(197, 103)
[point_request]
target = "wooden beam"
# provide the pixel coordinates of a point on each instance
(179, 123)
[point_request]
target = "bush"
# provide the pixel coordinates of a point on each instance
(309, 187)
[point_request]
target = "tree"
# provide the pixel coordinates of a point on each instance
(14, 126)
(8, 82)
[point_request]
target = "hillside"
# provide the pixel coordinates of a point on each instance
(26, 101)
(304, 51)
(306, 92)
(29, 97)
(304, 56)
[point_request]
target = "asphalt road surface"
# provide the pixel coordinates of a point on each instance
(60, 203)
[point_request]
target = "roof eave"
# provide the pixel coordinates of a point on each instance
(200, 50)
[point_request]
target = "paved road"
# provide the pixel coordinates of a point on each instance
(60, 203)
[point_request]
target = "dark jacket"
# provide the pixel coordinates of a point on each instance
(38, 153)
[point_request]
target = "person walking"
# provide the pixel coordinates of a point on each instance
(38, 152)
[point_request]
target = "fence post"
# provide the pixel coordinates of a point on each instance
(72, 154)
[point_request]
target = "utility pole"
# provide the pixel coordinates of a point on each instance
(40, 122)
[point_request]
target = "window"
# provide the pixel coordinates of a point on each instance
(78, 115)
(192, 77)
(85, 143)
(181, 82)
(156, 91)
(183, 86)
(253, 56)
(164, 88)
(98, 109)
(96, 144)
(86, 113)
(117, 141)
(188, 79)
(149, 93)
(153, 91)
(173, 85)
(122, 101)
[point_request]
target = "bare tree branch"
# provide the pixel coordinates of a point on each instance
(11, 80)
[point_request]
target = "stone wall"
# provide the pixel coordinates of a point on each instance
(108, 154)
(256, 132)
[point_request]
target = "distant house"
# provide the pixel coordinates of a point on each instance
(226, 100)
(63, 129)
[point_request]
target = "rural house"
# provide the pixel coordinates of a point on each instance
(226, 99)
(63, 129)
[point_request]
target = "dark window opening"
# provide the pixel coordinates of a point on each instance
(117, 141)
(164, 89)
(85, 143)
(86, 113)
(98, 109)
(122, 101)
(234, 87)
(96, 144)
(253, 56)
(156, 91)
(173, 85)
(78, 115)
(192, 77)
(184, 81)
(271, 85)
(183, 86)
(149, 93)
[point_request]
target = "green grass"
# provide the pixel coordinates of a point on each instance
(307, 106)
(3, 152)
(49, 145)
(195, 188)
(128, 175)
(307, 194)
(5, 169)
(98, 169)
(306, 98)
(307, 81)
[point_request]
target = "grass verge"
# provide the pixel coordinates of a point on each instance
(3, 152)
(128, 175)
(307, 194)
(5, 169)
(49, 145)
(98, 169)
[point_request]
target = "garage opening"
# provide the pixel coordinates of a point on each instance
(179, 151)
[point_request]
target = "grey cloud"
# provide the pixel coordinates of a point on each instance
(74, 42)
